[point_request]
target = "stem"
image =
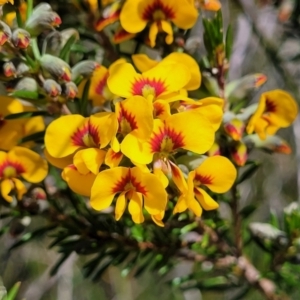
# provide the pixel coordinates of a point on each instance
(237, 221)
(29, 8)
(35, 49)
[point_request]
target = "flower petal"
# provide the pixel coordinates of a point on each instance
(36, 168)
(120, 206)
(217, 173)
(6, 187)
(143, 63)
(20, 187)
(58, 162)
(78, 183)
(104, 187)
(135, 208)
(113, 159)
(206, 201)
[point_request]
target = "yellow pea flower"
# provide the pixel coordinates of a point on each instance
(276, 109)
(140, 189)
(2, 2)
(217, 173)
(235, 128)
(160, 81)
(20, 162)
(99, 91)
(143, 63)
(136, 14)
(188, 130)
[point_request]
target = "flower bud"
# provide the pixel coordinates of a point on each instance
(56, 67)
(84, 68)
(239, 154)
(52, 88)
(214, 150)
(8, 69)
(42, 7)
(70, 90)
(37, 23)
(5, 33)
(26, 84)
(20, 38)
(22, 69)
(235, 129)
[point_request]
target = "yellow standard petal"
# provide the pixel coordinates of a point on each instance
(217, 173)
(35, 167)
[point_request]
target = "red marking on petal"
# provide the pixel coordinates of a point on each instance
(158, 86)
(207, 179)
(166, 140)
(127, 121)
(157, 10)
(159, 109)
(10, 169)
(3, 38)
(86, 136)
(121, 35)
(101, 84)
(129, 183)
(270, 106)
(56, 21)
(108, 19)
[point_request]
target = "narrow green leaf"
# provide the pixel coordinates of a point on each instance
(26, 114)
(33, 137)
(65, 51)
(83, 102)
(274, 219)
(229, 42)
(248, 172)
(12, 294)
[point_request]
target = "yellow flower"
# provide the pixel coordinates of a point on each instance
(20, 162)
(217, 173)
(140, 189)
(109, 16)
(188, 130)
(276, 109)
(99, 91)
(136, 14)
(239, 153)
(156, 83)
(235, 128)
(143, 63)
(2, 2)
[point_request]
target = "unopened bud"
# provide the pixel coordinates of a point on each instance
(26, 84)
(239, 154)
(56, 67)
(37, 23)
(5, 33)
(42, 7)
(22, 69)
(214, 150)
(20, 38)
(52, 88)
(84, 68)
(8, 69)
(70, 90)
(235, 129)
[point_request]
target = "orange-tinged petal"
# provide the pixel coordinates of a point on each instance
(113, 159)
(89, 160)
(10, 133)
(20, 187)
(217, 173)
(212, 5)
(161, 109)
(58, 162)
(36, 168)
(6, 187)
(104, 187)
(9, 106)
(121, 35)
(178, 178)
(109, 16)
(157, 219)
(206, 201)
(78, 183)
(239, 154)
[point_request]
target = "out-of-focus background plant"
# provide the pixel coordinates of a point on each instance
(55, 59)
